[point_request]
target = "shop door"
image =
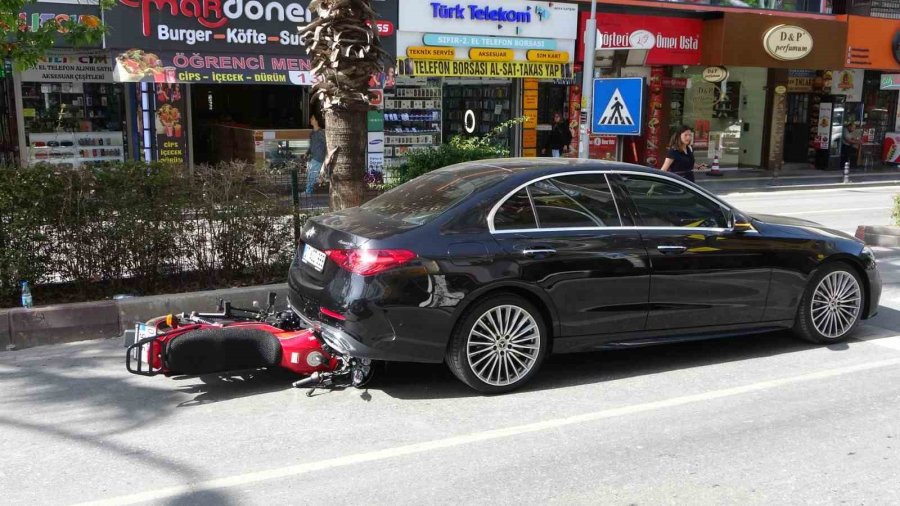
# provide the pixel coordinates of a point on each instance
(552, 99)
(796, 131)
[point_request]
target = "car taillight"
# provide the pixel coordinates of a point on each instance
(368, 262)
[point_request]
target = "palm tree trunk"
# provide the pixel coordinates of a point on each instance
(346, 131)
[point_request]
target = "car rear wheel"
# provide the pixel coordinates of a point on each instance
(499, 344)
(832, 305)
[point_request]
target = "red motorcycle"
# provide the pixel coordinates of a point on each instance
(235, 340)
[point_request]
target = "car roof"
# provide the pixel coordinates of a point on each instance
(540, 166)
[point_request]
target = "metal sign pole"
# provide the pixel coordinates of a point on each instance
(587, 81)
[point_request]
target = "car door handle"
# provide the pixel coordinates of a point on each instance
(536, 252)
(671, 249)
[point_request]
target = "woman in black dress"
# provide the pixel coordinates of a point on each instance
(680, 157)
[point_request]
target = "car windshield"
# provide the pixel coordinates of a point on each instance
(427, 197)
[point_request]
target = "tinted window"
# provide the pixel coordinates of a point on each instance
(592, 192)
(426, 197)
(663, 204)
(555, 209)
(515, 213)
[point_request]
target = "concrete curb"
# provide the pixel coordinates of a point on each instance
(776, 188)
(140, 309)
(888, 237)
(28, 327)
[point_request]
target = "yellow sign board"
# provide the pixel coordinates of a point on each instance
(529, 139)
(530, 99)
(431, 53)
(530, 84)
(468, 68)
(530, 119)
(548, 56)
(486, 54)
(529, 153)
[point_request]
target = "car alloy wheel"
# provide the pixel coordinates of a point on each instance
(832, 304)
(503, 345)
(835, 304)
(498, 344)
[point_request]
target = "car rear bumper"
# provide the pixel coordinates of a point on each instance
(373, 330)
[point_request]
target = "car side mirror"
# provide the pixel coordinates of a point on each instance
(741, 224)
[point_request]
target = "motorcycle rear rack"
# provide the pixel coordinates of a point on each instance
(139, 362)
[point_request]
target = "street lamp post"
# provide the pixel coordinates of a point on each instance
(587, 81)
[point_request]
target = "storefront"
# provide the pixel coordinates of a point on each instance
(662, 51)
(784, 67)
(873, 47)
(466, 69)
(219, 84)
(67, 110)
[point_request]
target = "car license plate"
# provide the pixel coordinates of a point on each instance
(314, 257)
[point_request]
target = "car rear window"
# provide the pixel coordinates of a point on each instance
(427, 197)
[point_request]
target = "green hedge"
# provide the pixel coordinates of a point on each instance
(457, 150)
(139, 228)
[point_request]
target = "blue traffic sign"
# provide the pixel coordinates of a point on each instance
(618, 106)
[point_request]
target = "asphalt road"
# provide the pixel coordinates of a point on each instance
(841, 209)
(758, 420)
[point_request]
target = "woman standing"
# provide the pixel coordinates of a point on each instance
(680, 157)
(316, 153)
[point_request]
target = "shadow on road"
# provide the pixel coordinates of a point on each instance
(435, 381)
(107, 406)
(421, 381)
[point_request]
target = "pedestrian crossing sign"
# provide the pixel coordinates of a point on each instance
(618, 106)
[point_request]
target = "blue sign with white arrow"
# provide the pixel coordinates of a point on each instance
(618, 107)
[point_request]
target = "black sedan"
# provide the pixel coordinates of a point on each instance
(489, 266)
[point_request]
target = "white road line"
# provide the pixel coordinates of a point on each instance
(477, 437)
(827, 211)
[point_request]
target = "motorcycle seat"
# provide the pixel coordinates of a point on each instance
(218, 350)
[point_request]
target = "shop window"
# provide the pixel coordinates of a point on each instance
(489, 102)
(73, 123)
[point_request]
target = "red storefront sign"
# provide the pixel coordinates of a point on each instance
(669, 41)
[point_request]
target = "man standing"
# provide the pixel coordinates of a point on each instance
(850, 140)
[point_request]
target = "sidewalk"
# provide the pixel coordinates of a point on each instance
(762, 180)
(24, 328)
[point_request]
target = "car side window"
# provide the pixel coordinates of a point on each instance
(662, 203)
(515, 213)
(555, 209)
(593, 192)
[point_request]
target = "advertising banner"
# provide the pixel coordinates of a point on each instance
(467, 68)
(503, 38)
(823, 126)
(69, 66)
(892, 148)
(668, 41)
(848, 82)
(228, 26)
(36, 14)
(513, 18)
(171, 123)
(873, 43)
(137, 65)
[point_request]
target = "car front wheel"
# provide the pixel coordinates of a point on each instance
(832, 305)
(499, 344)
